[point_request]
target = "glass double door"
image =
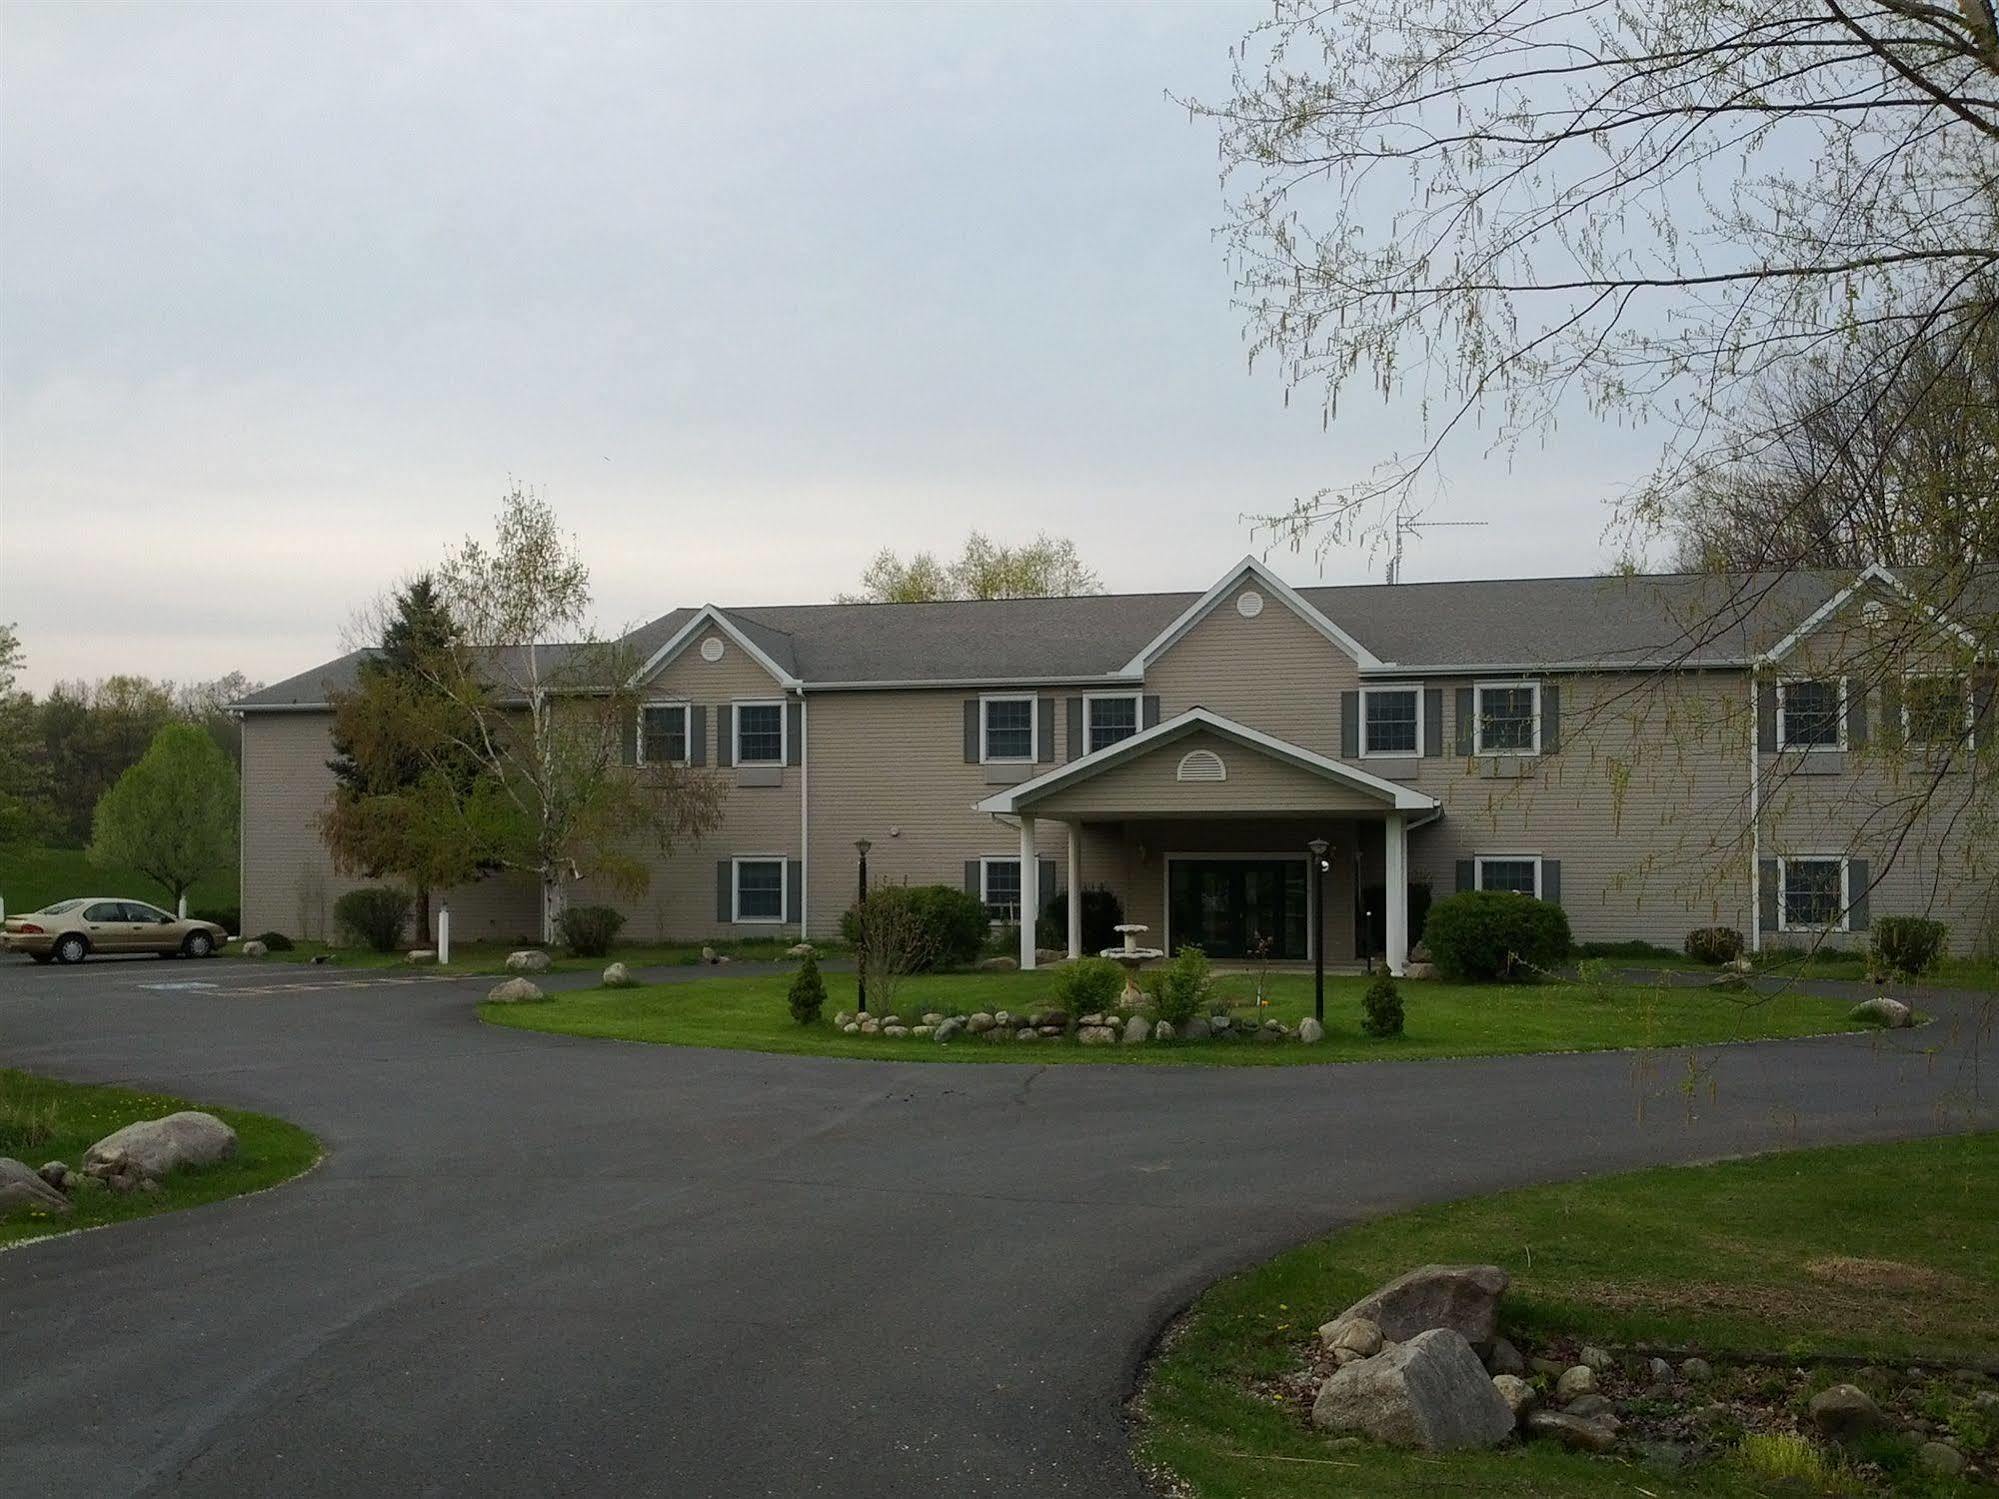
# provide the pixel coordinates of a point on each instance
(1229, 907)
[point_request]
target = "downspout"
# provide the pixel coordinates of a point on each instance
(804, 817)
(1755, 821)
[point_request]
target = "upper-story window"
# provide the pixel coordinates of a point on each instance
(760, 733)
(1109, 719)
(663, 734)
(1811, 713)
(1509, 718)
(1007, 728)
(1936, 710)
(1391, 721)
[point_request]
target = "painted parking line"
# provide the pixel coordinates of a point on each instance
(328, 986)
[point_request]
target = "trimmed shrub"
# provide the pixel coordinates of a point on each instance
(1482, 935)
(1714, 944)
(1102, 911)
(953, 924)
(1381, 1008)
(374, 916)
(1907, 945)
(808, 992)
(229, 918)
(1088, 986)
(1183, 987)
(275, 941)
(589, 931)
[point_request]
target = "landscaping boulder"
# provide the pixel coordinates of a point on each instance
(800, 950)
(1694, 1370)
(1004, 1019)
(1310, 1031)
(933, 1018)
(1355, 1334)
(979, 1024)
(998, 965)
(1586, 1406)
(618, 976)
(1136, 1030)
(254, 949)
(1464, 1298)
(1845, 1410)
(1163, 1031)
(1415, 970)
(151, 1148)
(514, 992)
(921, 1032)
(895, 1032)
(843, 1019)
(1097, 1035)
(1517, 1393)
(709, 955)
(1940, 1458)
(851, 1028)
(1890, 1014)
(1505, 1359)
(1598, 1359)
(1572, 1431)
(870, 1026)
(949, 1029)
(1430, 1392)
(418, 957)
(22, 1187)
(1196, 1029)
(1027, 1033)
(56, 1174)
(1660, 1371)
(531, 961)
(1575, 1383)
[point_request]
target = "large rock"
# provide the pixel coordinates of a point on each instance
(1516, 1392)
(151, 1148)
(948, 1029)
(531, 961)
(1196, 1029)
(1097, 1035)
(1430, 1392)
(1940, 1458)
(1163, 1031)
(1891, 1014)
(254, 949)
(1572, 1431)
(998, 965)
(22, 1187)
(514, 992)
(1353, 1334)
(1136, 1030)
(1464, 1298)
(1576, 1382)
(1310, 1031)
(979, 1024)
(800, 950)
(420, 957)
(1845, 1410)
(1505, 1359)
(618, 976)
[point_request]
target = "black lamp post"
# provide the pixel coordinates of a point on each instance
(1318, 847)
(861, 846)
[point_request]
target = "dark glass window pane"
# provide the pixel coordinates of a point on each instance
(760, 734)
(1811, 713)
(760, 890)
(1811, 892)
(1112, 719)
(1003, 889)
(1938, 709)
(1391, 723)
(1010, 728)
(1505, 719)
(665, 735)
(1515, 875)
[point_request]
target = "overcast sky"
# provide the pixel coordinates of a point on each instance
(288, 292)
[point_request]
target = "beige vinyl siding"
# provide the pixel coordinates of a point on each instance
(1149, 786)
(1274, 672)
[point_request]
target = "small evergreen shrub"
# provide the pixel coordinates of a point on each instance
(1484, 935)
(1907, 945)
(374, 916)
(1714, 944)
(275, 941)
(1183, 987)
(1381, 1008)
(1102, 911)
(589, 931)
(229, 918)
(808, 992)
(1088, 986)
(952, 924)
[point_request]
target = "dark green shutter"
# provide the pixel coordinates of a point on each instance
(1467, 737)
(1766, 717)
(1856, 895)
(1076, 747)
(1044, 731)
(1856, 715)
(628, 734)
(1551, 880)
(697, 734)
(794, 888)
(1467, 874)
(1433, 721)
(972, 878)
(1891, 711)
(1149, 711)
(724, 909)
(971, 731)
(794, 732)
(1551, 718)
(1766, 894)
(1350, 725)
(725, 734)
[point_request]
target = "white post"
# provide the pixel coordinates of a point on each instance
(443, 934)
(180, 909)
(1030, 891)
(1075, 889)
(1395, 876)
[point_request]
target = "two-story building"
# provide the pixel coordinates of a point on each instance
(1653, 752)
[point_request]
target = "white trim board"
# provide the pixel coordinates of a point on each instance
(1249, 569)
(714, 616)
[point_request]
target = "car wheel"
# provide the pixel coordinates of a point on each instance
(198, 945)
(71, 948)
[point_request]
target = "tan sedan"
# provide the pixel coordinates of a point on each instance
(70, 930)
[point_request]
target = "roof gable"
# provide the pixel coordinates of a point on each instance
(1248, 570)
(1875, 576)
(760, 650)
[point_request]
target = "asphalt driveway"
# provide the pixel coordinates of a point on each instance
(542, 1265)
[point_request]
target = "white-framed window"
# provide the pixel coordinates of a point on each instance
(1107, 719)
(1811, 713)
(1508, 718)
(1008, 729)
(760, 733)
(662, 734)
(999, 888)
(759, 890)
(1936, 708)
(1519, 874)
(1811, 894)
(1391, 720)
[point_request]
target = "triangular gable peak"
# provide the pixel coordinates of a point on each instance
(1878, 579)
(712, 617)
(1249, 570)
(1389, 795)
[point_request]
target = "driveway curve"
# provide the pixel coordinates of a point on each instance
(534, 1264)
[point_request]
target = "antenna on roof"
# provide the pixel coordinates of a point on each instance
(1404, 525)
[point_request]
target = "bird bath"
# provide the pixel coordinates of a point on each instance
(1131, 957)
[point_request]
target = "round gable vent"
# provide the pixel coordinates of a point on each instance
(711, 648)
(1202, 765)
(1249, 603)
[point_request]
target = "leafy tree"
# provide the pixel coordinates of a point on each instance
(25, 813)
(92, 733)
(1046, 567)
(172, 816)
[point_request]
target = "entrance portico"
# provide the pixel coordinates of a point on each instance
(1203, 825)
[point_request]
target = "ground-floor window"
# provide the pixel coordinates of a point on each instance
(1519, 874)
(759, 890)
(999, 888)
(1812, 893)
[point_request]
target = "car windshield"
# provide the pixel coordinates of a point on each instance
(61, 907)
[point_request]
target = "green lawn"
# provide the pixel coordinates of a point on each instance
(33, 877)
(1736, 1256)
(1444, 1020)
(45, 1120)
(491, 957)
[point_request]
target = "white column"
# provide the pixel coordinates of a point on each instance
(1030, 891)
(443, 935)
(1075, 889)
(1395, 877)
